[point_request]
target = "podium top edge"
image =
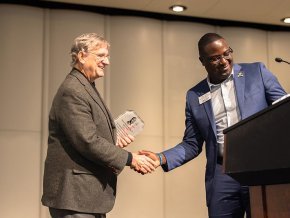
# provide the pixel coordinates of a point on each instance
(267, 109)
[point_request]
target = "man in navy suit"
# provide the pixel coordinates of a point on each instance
(230, 93)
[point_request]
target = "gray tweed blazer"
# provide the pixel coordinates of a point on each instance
(82, 160)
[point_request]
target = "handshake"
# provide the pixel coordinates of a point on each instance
(144, 161)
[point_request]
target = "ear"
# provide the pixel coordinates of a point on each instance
(81, 57)
(201, 60)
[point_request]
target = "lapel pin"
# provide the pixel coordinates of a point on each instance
(240, 74)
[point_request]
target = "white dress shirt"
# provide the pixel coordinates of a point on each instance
(225, 108)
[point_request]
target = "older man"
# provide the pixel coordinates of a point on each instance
(84, 157)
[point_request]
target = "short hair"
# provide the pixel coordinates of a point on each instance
(206, 39)
(85, 43)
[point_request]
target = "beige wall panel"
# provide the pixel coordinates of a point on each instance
(249, 45)
(20, 173)
(65, 26)
(136, 69)
(21, 67)
(185, 188)
(140, 196)
(182, 69)
(279, 46)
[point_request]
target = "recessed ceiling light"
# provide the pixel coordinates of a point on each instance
(286, 19)
(177, 8)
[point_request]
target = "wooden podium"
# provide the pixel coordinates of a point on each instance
(257, 154)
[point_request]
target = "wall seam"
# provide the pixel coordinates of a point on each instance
(164, 106)
(44, 104)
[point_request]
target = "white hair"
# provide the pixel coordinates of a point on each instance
(85, 43)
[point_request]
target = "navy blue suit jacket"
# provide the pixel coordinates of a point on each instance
(256, 88)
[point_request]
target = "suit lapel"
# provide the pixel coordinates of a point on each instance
(93, 92)
(104, 108)
(207, 105)
(239, 80)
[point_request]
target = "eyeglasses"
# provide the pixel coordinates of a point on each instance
(100, 57)
(217, 58)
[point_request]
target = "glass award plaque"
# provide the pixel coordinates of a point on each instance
(129, 123)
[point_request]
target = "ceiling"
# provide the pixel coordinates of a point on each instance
(254, 11)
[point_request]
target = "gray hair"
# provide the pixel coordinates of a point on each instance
(85, 43)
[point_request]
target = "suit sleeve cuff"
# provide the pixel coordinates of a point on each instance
(129, 160)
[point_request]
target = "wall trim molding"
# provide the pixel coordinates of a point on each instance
(159, 16)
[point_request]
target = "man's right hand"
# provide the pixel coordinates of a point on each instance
(143, 164)
(151, 155)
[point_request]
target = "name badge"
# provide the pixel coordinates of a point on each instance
(204, 98)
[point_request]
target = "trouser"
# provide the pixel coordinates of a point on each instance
(229, 199)
(60, 213)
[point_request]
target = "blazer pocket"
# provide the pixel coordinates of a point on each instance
(78, 172)
(90, 178)
(255, 89)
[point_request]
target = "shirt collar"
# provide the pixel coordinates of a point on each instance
(211, 85)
